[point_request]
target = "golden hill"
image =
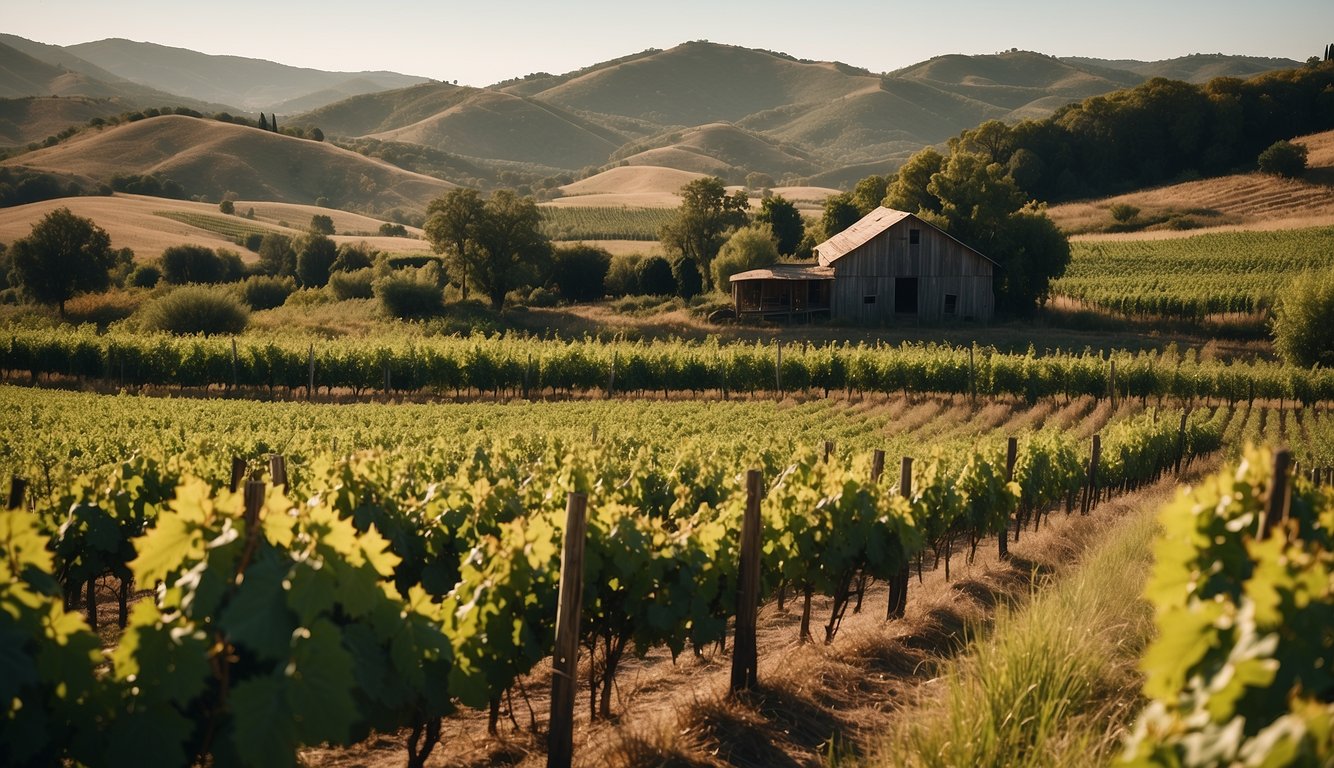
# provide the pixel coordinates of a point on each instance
(138, 223)
(210, 158)
(1239, 201)
(722, 150)
(500, 126)
(23, 121)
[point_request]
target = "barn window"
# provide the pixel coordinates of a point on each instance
(868, 299)
(914, 237)
(951, 304)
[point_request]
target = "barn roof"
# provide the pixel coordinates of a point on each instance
(786, 272)
(866, 229)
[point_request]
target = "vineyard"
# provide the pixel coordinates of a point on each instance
(233, 227)
(405, 560)
(1191, 278)
(532, 368)
(604, 223)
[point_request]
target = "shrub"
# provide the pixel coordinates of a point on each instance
(227, 207)
(353, 257)
(251, 242)
(405, 296)
(580, 272)
(542, 297)
(656, 278)
(196, 309)
(748, 248)
(102, 309)
(276, 256)
(1303, 322)
(182, 264)
(623, 274)
(261, 292)
(144, 276)
(356, 284)
(393, 230)
(1124, 212)
(1283, 158)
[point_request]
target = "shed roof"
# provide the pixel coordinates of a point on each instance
(786, 272)
(867, 228)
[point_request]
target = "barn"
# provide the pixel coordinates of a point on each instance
(889, 267)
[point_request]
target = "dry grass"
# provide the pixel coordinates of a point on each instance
(1249, 201)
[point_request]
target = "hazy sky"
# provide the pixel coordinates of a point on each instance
(481, 42)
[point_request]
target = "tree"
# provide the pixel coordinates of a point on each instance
(62, 256)
(227, 207)
(689, 280)
(1283, 158)
(908, 191)
(839, 214)
(655, 277)
(785, 222)
(869, 193)
(317, 134)
(451, 225)
(748, 248)
(263, 124)
(701, 224)
(182, 264)
(322, 224)
(1303, 322)
(508, 248)
(276, 256)
(580, 271)
(315, 255)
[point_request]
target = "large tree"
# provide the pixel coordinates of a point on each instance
(451, 228)
(508, 249)
(907, 191)
(64, 255)
(701, 224)
(869, 193)
(785, 221)
(839, 214)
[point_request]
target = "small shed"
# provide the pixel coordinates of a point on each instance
(783, 292)
(893, 266)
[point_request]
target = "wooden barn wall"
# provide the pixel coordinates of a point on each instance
(940, 264)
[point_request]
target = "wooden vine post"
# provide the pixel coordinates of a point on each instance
(564, 662)
(745, 653)
(278, 470)
(778, 366)
(1280, 493)
(1091, 485)
(18, 487)
(234, 364)
(828, 450)
(1011, 457)
(310, 373)
(1111, 385)
(1181, 443)
(898, 585)
(238, 473)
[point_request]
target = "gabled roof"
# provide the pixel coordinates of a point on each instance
(785, 272)
(867, 228)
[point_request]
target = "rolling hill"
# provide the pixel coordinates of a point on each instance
(1196, 68)
(150, 225)
(212, 158)
(250, 84)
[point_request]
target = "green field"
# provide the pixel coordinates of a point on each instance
(604, 223)
(1191, 278)
(229, 226)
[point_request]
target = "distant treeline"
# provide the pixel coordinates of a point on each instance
(1160, 131)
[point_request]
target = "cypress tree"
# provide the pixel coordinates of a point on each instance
(263, 124)
(273, 124)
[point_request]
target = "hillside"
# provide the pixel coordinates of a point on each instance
(501, 126)
(211, 158)
(250, 84)
(33, 119)
(30, 69)
(150, 225)
(1239, 201)
(1196, 68)
(1015, 79)
(720, 149)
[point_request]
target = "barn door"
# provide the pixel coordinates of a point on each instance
(905, 295)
